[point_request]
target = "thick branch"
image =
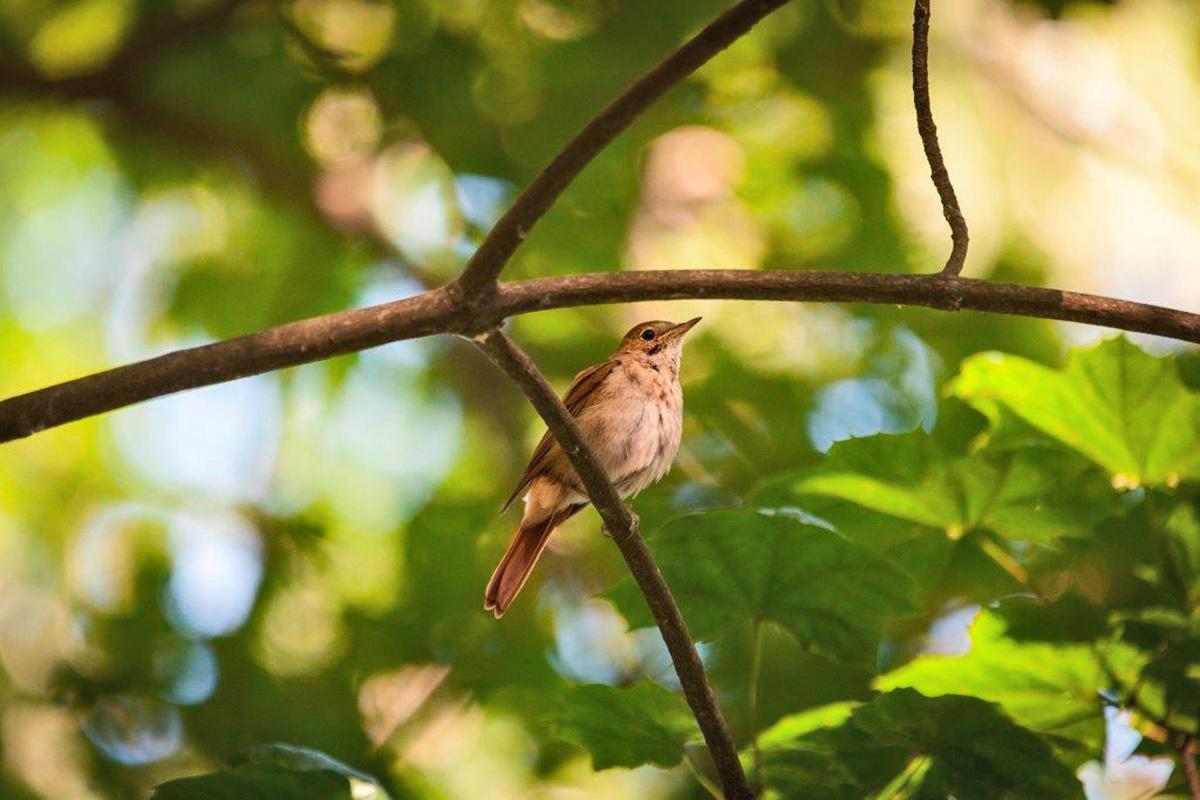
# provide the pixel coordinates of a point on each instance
(312, 339)
(621, 524)
(929, 139)
(933, 291)
(512, 228)
(437, 311)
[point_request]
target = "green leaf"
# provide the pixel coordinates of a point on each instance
(1169, 644)
(1030, 495)
(1174, 675)
(1182, 528)
(831, 764)
(642, 724)
(948, 746)
(796, 725)
(1156, 627)
(277, 772)
(1049, 688)
(1121, 407)
(1035, 496)
(729, 568)
(903, 476)
(258, 782)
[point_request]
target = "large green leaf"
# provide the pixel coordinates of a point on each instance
(628, 727)
(1029, 495)
(729, 568)
(1049, 688)
(277, 772)
(904, 476)
(1123, 408)
(948, 746)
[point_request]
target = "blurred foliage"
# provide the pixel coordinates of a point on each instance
(278, 772)
(731, 569)
(905, 744)
(926, 554)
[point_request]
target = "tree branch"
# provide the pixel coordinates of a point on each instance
(1187, 759)
(443, 311)
(302, 342)
(476, 305)
(622, 525)
(507, 234)
(929, 139)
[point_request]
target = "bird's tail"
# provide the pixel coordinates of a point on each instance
(523, 553)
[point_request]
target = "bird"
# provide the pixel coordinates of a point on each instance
(630, 411)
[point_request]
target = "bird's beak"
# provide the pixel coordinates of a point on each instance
(680, 329)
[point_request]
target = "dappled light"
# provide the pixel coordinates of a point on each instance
(918, 554)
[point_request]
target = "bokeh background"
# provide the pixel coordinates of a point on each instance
(300, 556)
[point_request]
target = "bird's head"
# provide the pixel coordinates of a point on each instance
(657, 340)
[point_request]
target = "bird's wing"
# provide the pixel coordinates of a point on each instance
(583, 387)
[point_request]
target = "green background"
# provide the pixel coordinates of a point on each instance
(925, 553)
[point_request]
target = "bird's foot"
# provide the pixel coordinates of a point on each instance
(634, 524)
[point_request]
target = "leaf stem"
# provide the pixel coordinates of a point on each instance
(702, 779)
(1005, 561)
(902, 786)
(756, 652)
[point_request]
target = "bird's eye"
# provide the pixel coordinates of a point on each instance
(648, 334)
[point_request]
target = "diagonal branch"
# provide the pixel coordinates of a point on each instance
(929, 139)
(1184, 745)
(507, 234)
(442, 311)
(622, 525)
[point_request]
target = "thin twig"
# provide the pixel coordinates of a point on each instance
(476, 304)
(437, 311)
(929, 139)
(622, 525)
(1187, 758)
(507, 234)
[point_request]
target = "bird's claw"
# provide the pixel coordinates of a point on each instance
(634, 524)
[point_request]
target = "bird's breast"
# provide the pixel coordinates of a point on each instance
(635, 426)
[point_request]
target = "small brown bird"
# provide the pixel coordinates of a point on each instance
(630, 410)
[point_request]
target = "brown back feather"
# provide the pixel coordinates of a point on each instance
(582, 388)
